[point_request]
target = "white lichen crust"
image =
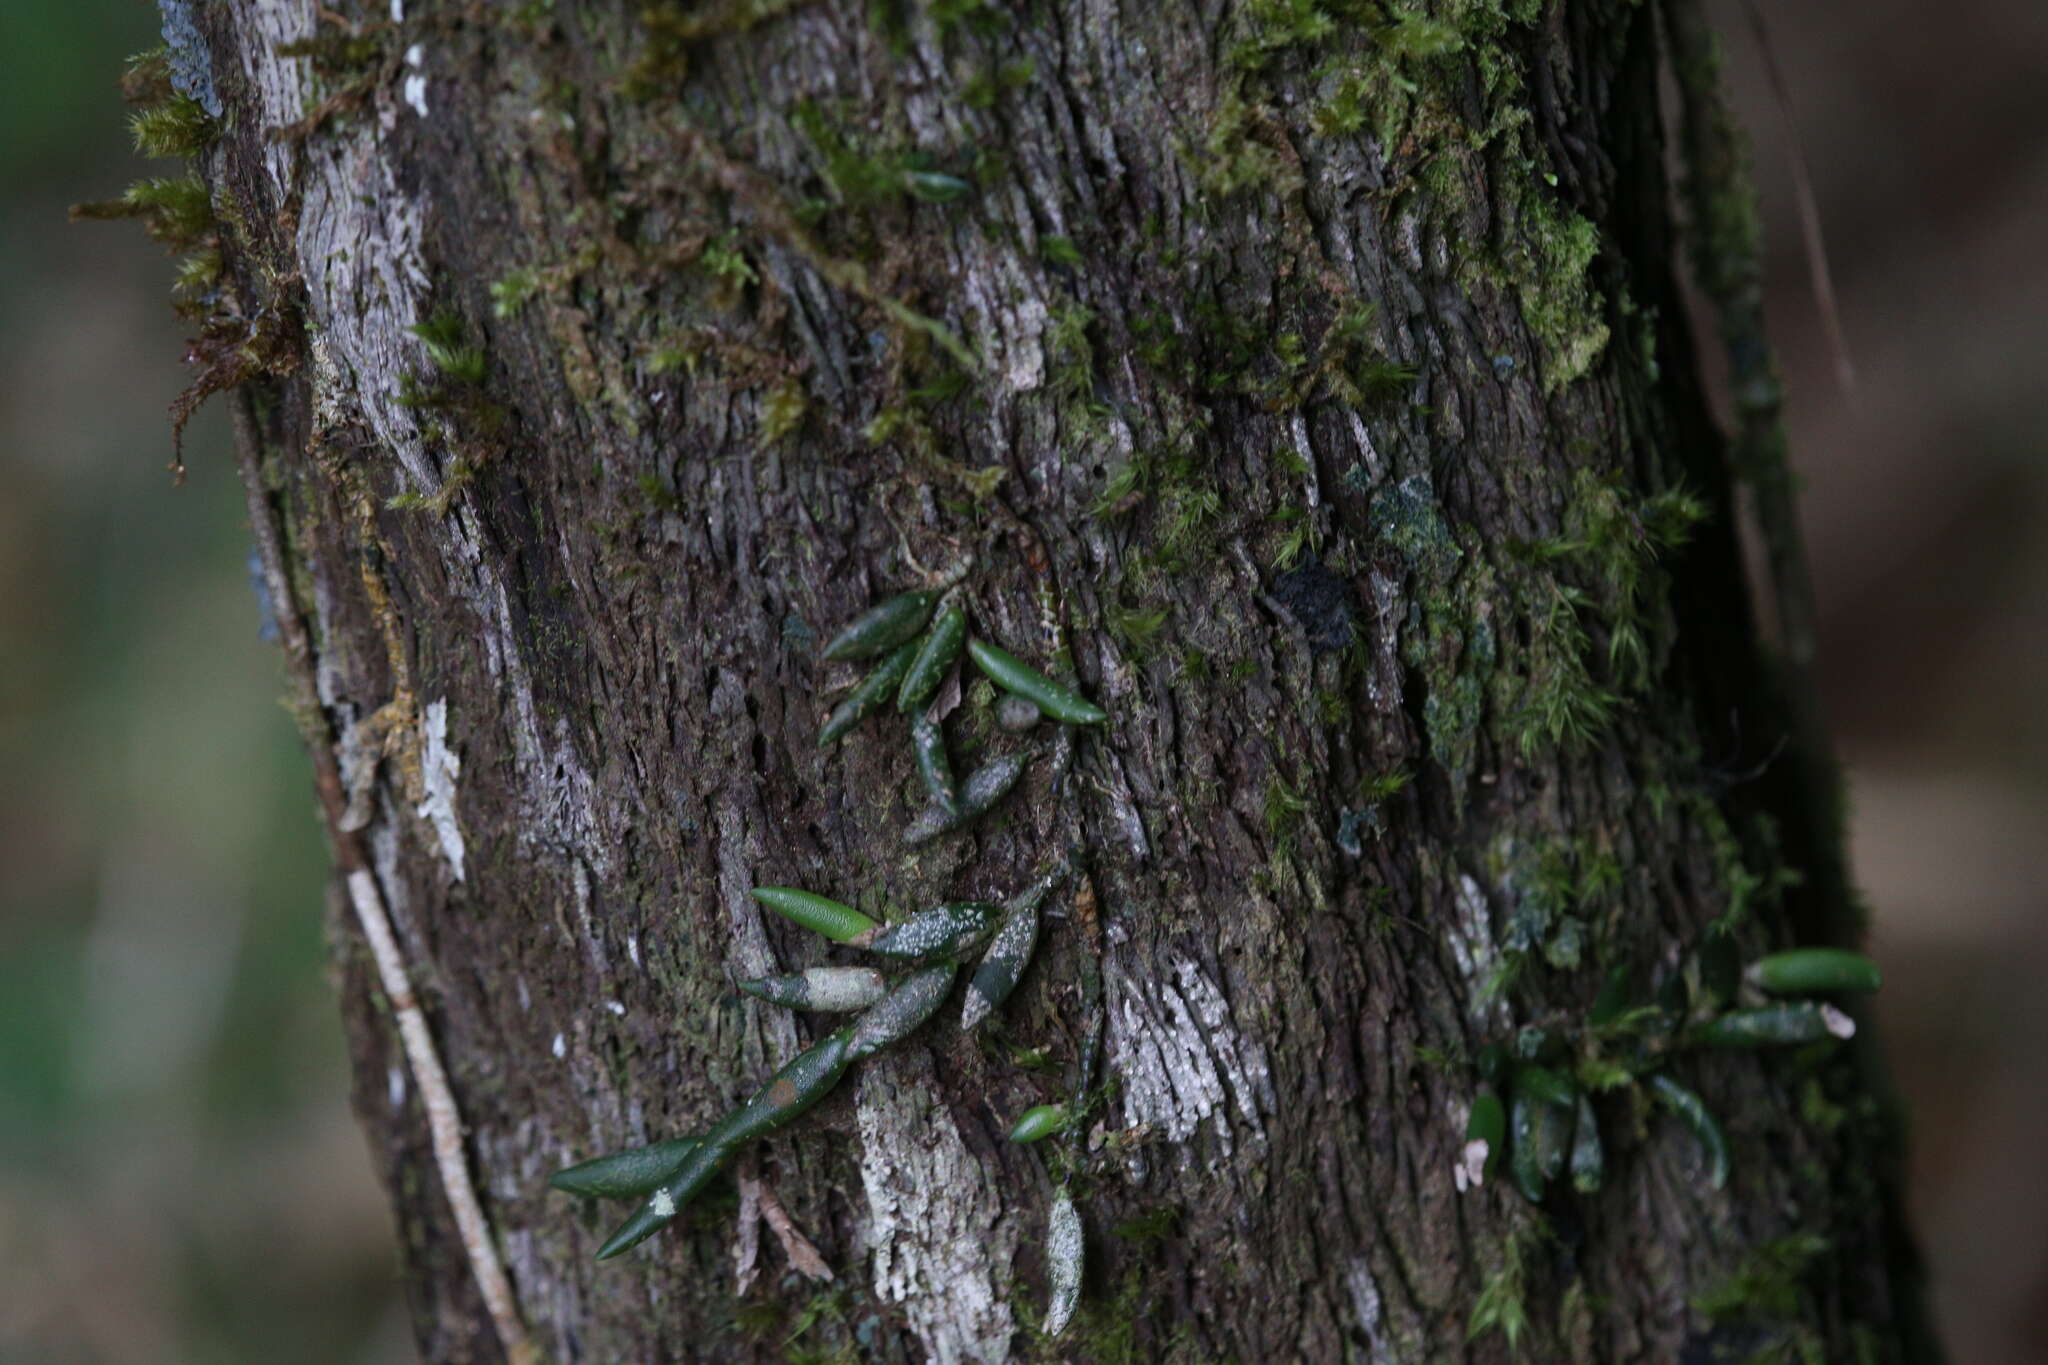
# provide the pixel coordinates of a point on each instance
(1065, 1252)
(936, 1229)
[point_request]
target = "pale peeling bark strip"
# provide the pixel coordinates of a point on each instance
(443, 1119)
(936, 1226)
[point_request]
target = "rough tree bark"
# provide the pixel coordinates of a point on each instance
(1314, 376)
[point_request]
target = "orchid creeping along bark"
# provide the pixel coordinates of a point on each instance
(928, 946)
(629, 1174)
(935, 654)
(827, 989)
(820, 915)
(1015, 676)
(875, 689)
(1694, 1112)
(882, 627)
(933, 765)
(1814, 971)
(795, 1088)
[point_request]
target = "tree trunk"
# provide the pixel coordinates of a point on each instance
(1312, 381)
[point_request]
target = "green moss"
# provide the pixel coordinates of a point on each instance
(782, 410)
(1562, 705)
(176, 210)
(1138, 629)
(1591, 646)
(987, 86)
(1283, 810)
(723, 258)
(1502, 1304)
(444, 336)
(511, 292)
(674, 27)
(1548, 255)
(1768, 1285)
(1236, 154)
(197, 279)
(1070, 356)
(1059, 251)
(177, 127)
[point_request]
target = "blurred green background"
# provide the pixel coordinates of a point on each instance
(180, 1179)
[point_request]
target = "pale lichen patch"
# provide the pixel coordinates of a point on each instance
(440, 766)
(1182, 1059)
(1470, 1172)
(935, 1226)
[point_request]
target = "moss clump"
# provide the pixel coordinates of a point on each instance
(177, 211)
(1548, 255)
(987, 86)
(1502, 1305)
(1239, 151)
(1071, 357)
(176, 127)
(448, 347)
(782, 410)
(1611, 543)
(673, 27)
(511, 292)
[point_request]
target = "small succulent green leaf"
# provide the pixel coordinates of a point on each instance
(1589, 1160)
(1039, 1121)
(1526, 1161)
(1815, 971)
(829, 989)
(882, 627)
(1065, 1249)
(936, 651)
(935, 187)
(666, 1200)
(940, 933)
(841, 923)
(875, 689)
(1612, 999)
(1015, 676)
(984, 787)
(928, 743)
(629, 1174)
(899, 1013)
(808, 1078)
(1694, 1112)
(1775, 1025)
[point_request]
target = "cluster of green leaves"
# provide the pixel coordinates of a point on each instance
(867, 179)
(1589, 641)
(1534, 1107)
(918, 638)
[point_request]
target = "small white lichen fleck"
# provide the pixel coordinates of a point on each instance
(1839, 1024)
(416, 84)
(1064, 1248)
(439, 767)
(561, 1047)
(1471, 1169)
